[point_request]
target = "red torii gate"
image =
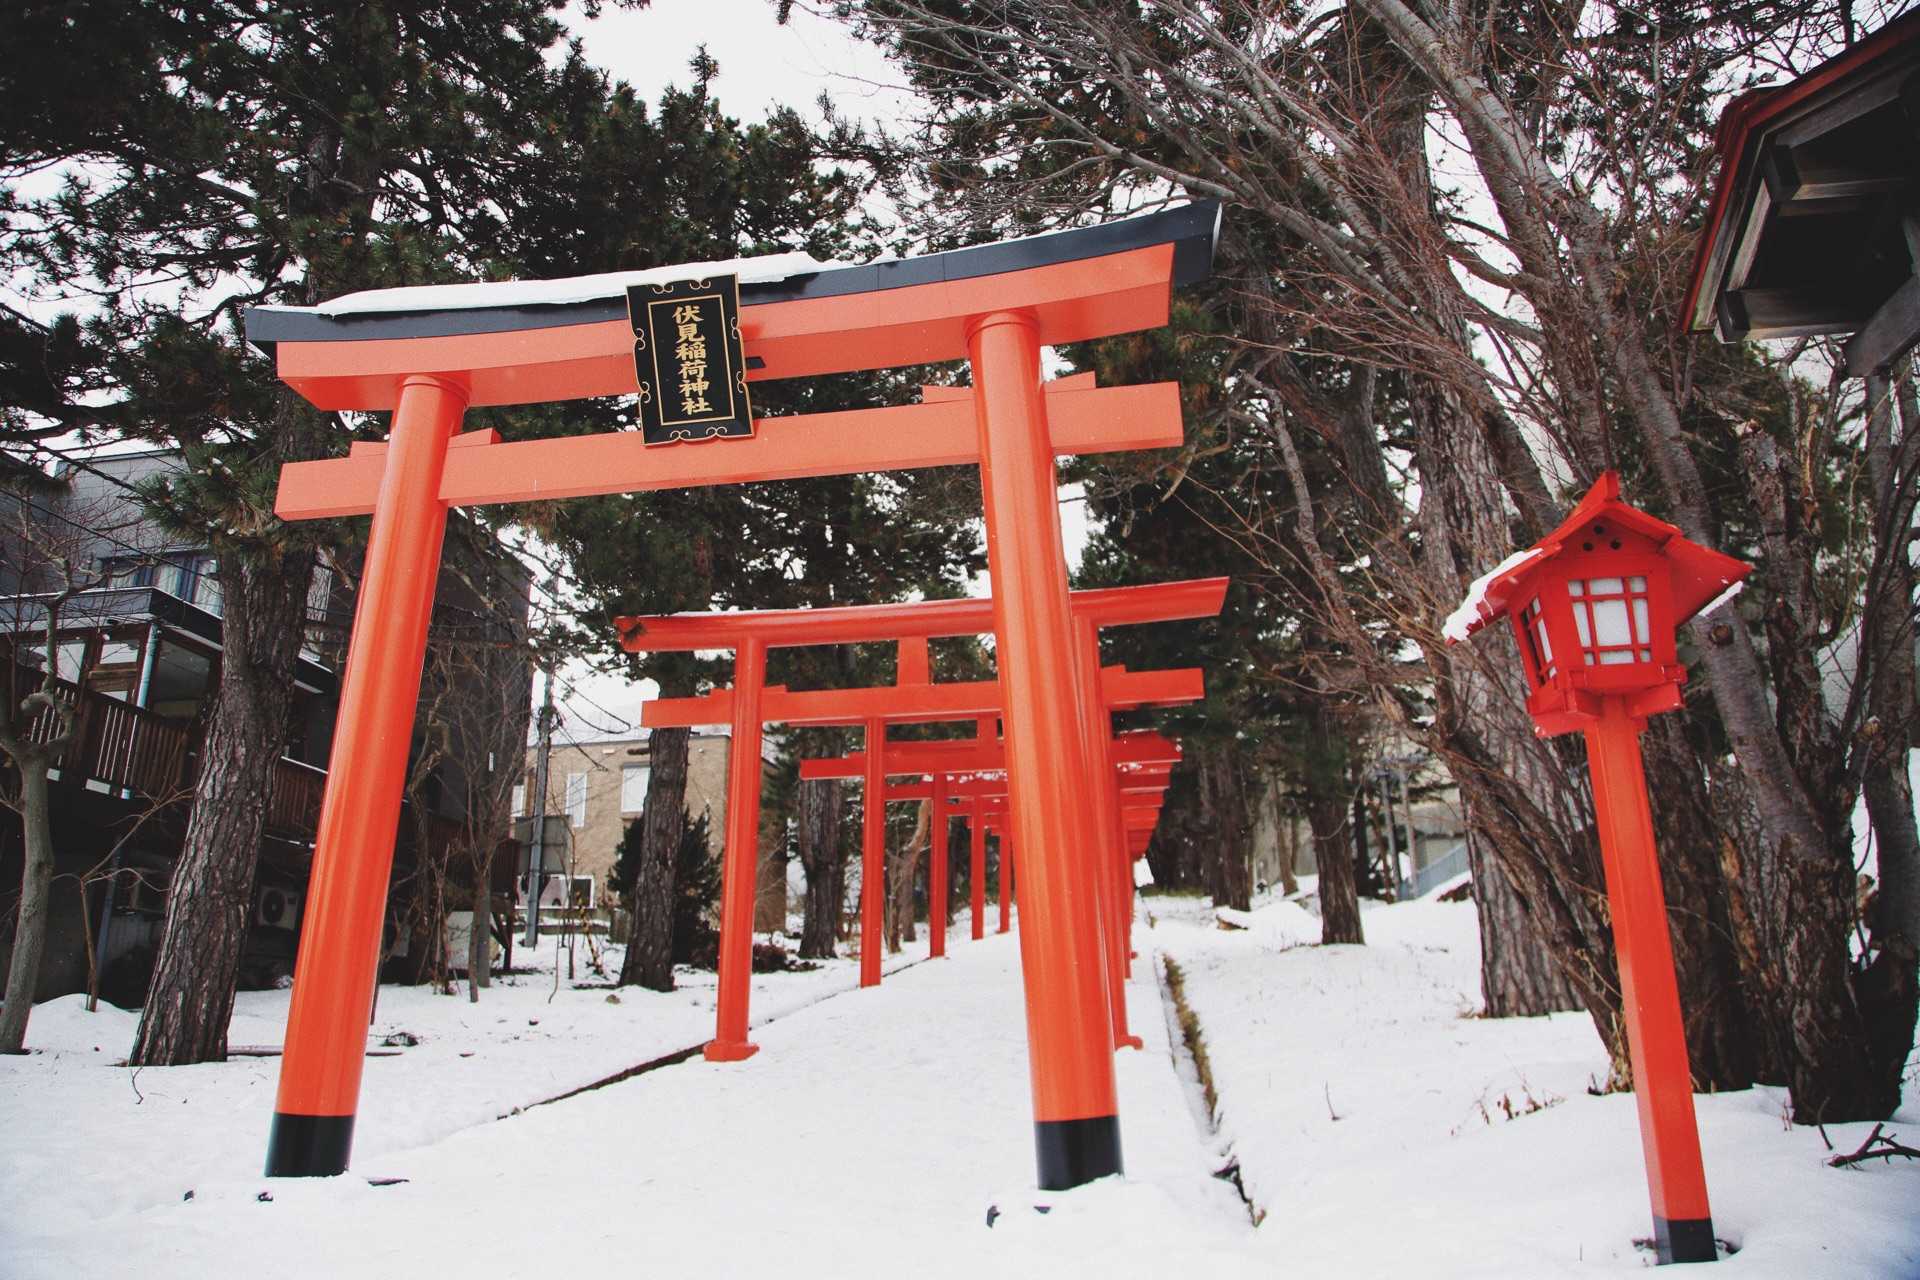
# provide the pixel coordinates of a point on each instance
(983, 796)
(429, 355)
(1129, 752)
(912, 702)
(750, 703)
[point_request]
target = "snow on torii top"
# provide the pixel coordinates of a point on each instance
(552, 293)
(1703, 579)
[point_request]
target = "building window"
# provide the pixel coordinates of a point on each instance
(188, 575)
(577, 800)
(519, 799)
(70, 659)
(118, 653)
(633, 787)
(127, 571)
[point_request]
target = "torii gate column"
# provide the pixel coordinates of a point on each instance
(937, 872)
(739, 873)
(339, 957)
(1069, 1026)
(977, 874)
(1107, 848)
(873, 854)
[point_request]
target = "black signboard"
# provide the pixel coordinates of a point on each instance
(686, 352)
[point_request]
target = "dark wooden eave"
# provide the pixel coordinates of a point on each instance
(1811, 226)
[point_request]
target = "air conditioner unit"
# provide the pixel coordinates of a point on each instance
(558, 891)
(460, 933)
(277, 908)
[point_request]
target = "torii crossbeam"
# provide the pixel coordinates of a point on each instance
(429, 354)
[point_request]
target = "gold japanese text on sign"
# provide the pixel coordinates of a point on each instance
(688, 360)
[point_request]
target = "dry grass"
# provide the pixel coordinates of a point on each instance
(1190, 1033)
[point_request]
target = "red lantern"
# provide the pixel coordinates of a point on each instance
(1594, 606)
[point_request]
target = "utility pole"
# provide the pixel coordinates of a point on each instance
(536, 862)
(1403, 771)
(1380, 775)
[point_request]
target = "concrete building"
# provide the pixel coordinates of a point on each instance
(600, 785)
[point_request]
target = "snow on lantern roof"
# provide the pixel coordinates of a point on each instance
(1482, 605)
(1701, 576)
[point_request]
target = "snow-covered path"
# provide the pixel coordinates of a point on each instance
(870, 1135)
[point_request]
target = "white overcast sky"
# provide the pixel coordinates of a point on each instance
(762, 65)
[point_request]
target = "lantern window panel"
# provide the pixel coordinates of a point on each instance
(1612, 617)
(1534, 627)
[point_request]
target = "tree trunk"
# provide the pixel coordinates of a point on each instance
(1838, 1069)
(209, 903)
(1723, 1050)
(429, 913)
(480, 930)
(1366, 872)
(959, 868)
(822, 857)
(649, 960)
(1177, 849)
(1887, 988)
(36, 888)
(770, 888)
(1287, 844)
(1326, 788)
(1519, 977)
(901, 878)
(1226, 826)
(1569, 269)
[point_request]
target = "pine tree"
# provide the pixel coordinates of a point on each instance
(695, 184)
(218, 156)
(696, 887)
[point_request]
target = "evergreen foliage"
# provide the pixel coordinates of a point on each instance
(696, 887)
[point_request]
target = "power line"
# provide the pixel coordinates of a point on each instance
(573, 691)
(144, 552)
(85, 465)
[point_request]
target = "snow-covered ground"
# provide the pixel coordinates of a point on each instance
(875, 1128)
(1385, 1128)
(84, 1138)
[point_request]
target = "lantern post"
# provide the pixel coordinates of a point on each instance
(1594, 608)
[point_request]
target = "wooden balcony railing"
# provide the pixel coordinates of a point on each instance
(123, 747)
(293, 800)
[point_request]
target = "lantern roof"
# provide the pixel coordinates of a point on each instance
(1702, 577)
